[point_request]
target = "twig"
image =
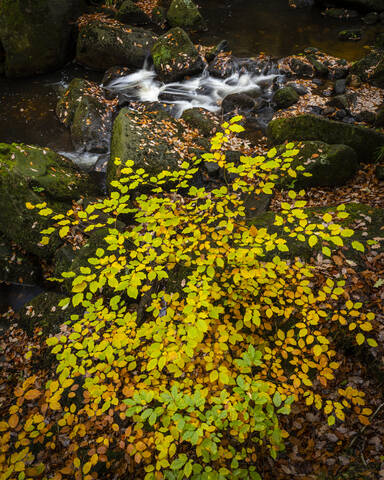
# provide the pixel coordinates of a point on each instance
(365, 426)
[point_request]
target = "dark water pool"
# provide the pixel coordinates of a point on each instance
(270, 26)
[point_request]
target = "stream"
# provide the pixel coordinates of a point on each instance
(27, 112)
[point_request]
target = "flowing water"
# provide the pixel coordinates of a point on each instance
(27, 106)
(203, 91)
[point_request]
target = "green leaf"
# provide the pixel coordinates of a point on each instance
(358, 246)
(277, 401)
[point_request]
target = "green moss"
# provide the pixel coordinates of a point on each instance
(285, 97)
(363, 140)
(184, 13)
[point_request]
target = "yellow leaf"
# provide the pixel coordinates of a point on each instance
(32, 394)
(360, 338)
(13, 421)
(317, 350)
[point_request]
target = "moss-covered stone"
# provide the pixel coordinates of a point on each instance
(371, 68)
(185, 14)
(132, 14)
(84, 108)
(364, 141)
(329, 165)
(43, 312)
(15, 265)
(37, 35)
(102, 45)
(370, 223)
(362, 5)
(198, 118)
(148, 143)
(175, 56)
(35, 175)
(285, 97)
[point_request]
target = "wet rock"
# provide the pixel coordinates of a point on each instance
(37, 36)
(354, 81)
(340, 86)
(352, 34)
(237, 102)
(320, 68)
(379, 172)
(132, 14)
(340, 114)
(147, 144)
(371, 68)
(371, 18)
(102, 45)
(285, 97)
(341, 13)
(364, 141)
(221, 47)
(301, 3)
(363, 5)
(366, 116)
(185, 14)
(340, 101)
(175, 56)
(114, 73)
(329, 165)
(199, 118)
(16, 266)
(223, 66)
(300, 89)
(302, 67)
(379, 42)
(84, 109)
(36, 175)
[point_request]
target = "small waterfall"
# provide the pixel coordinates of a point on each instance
(204, 91)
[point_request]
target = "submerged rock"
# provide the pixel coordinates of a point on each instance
(36, 175)
(238, 102)
(329, 165)
(37, 36)
(364, 141)
(185, 14)
(175, 56)
(103, 44)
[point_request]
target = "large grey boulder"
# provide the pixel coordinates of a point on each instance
(37, 35)
(102, 45)
(364, 141)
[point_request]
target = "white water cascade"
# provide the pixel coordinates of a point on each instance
(203, 91)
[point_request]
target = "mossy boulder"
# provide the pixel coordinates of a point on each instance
(285, 97)
(43, 312)
(102, 45)
(367, 222)
(132, 14)
(371, 68)
(199, 118)
(15, 265)
(35, 175)
(185, 14)
(147, 141)
(329, 165)
(84, 108)
(364, 141)
(37, 35)
(175, 56)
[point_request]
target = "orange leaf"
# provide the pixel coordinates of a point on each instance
(13, 421)
(32, 394)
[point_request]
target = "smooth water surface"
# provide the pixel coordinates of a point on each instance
(271, 26)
